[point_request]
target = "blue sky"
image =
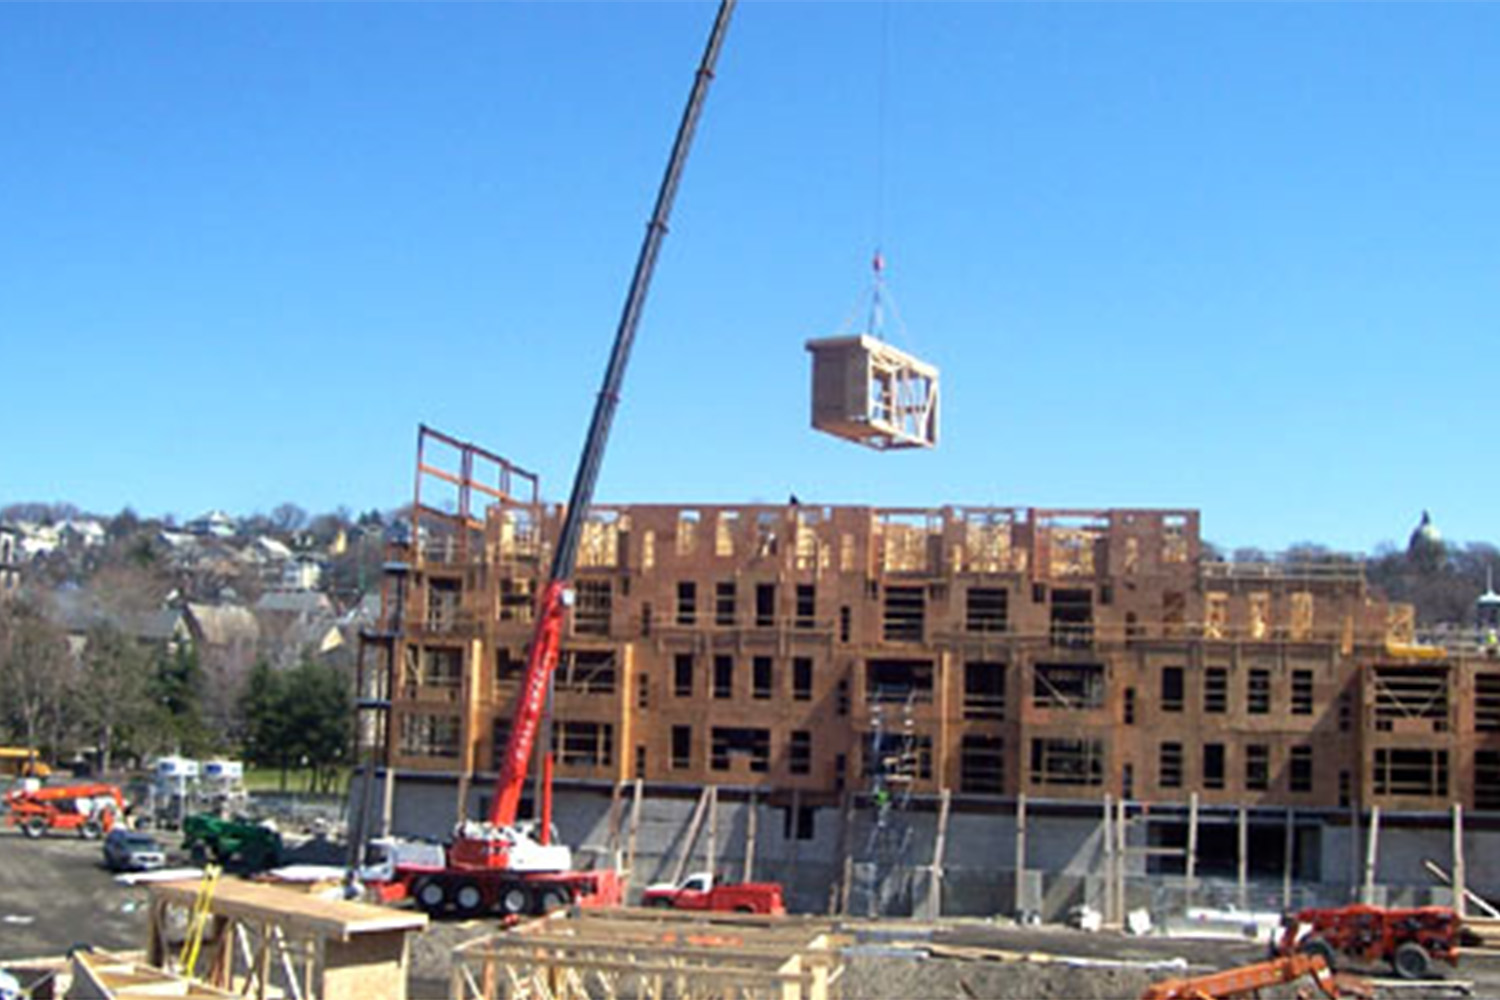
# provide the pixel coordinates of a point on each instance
(1235, 257)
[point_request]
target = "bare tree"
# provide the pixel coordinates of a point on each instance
(113, 693)
(34, 672)
(288, 518)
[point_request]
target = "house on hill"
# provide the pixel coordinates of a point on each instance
(294, 624)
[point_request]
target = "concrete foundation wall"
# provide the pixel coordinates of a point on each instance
(1065, 860)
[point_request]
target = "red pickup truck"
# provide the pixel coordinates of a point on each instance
(698, 892)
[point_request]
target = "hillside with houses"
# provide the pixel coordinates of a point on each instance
(126, 636)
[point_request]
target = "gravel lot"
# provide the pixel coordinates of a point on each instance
(55, 892)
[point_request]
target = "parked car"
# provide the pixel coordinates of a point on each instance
(132, 850)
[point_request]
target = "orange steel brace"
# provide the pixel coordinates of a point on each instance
(1247, 979)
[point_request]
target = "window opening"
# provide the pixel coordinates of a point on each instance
(1070, 686)
(1300, 769)
(723, 677)
(760, 678)
(687, 602)
(1302, 692)
(1215, 690)
(898, 681)
(1072, 618)
(586, 671)
(1172, 696)
(799, 752)
(682, 675)
(583, 744)
(1213, 766)
(802, 678)
(593, 603)
(765, 605)
(1258, 692)
(751, 745)
(1067, 762)
(1257, 767)
(1169, 765)
(984, 690)
(682, 747)
(986, 609)
(807, 603)
(724, 611)
(1411, 772)
(905, 611)
(982, 764)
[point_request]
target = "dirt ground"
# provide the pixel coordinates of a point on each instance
(55, 893)
(894, 961)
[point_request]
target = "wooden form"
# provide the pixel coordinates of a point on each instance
(653, 955)
(866, 391)
(262, 940)
(102, 975)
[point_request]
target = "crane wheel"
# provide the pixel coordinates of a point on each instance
(1411, 961)
(552, 899)
(91, 830)
(431, 896)
(514, 900)
(468, 899)
(34, 827)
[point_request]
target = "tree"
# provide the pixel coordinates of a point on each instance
(320, 713)
(34, 672)
(262, 707)
(113, 695)
(176, 692)
(303, 717)
(288, 517)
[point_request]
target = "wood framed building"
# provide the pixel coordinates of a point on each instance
(802, 649)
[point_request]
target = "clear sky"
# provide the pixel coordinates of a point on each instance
(1235, 257)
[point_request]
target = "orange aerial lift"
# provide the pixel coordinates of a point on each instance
(90, 810)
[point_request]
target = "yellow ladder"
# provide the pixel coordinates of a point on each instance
(198, 920)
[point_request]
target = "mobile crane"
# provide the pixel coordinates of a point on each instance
(503, 864)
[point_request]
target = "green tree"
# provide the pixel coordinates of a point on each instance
(263, 708)
(176, 691)
(301, 718)
(319, 715)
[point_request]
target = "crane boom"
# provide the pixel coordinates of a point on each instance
(541, 661)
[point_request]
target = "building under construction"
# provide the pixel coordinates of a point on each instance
(910, 689)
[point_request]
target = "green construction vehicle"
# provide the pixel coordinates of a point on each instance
(237, 844)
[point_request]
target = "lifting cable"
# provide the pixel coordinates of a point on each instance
(881, 303)
(882, 114)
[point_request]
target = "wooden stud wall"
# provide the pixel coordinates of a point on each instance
(1127, 591)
